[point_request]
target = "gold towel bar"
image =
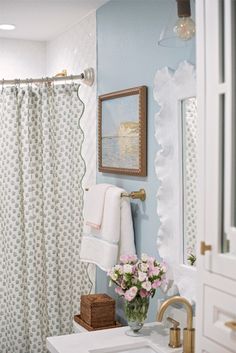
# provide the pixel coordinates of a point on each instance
(141, 194)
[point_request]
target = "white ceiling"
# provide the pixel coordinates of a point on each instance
(43, 19)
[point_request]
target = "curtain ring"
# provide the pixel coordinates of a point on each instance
(73, 81)
(48, 82)
(2, 85)
(16, 84)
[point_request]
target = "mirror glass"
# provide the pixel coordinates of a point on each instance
(189, 177)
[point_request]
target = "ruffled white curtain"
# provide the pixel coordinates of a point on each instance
(41, 203)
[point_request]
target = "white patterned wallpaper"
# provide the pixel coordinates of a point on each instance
(22, 58)
(75, 50)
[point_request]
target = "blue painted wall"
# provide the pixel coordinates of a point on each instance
(128, 56)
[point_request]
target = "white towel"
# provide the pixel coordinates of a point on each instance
(94, 205)
(103, 247)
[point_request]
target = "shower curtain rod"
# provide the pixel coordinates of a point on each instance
(87, 76)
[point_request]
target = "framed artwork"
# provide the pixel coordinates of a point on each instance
(122, 132)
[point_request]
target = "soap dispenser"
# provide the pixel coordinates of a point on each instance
(174, 334)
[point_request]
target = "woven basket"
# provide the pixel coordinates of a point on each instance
(98, 310)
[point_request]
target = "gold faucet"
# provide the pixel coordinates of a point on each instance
(189, 331)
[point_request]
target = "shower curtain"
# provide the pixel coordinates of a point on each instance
(41, 202)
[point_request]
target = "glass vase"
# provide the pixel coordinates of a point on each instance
(136, 313)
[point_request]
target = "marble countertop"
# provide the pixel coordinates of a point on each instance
(154, 334)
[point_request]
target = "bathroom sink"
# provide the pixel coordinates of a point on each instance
(141, 347)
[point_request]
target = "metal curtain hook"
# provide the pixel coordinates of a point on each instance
(73, 82)
(15, 84)
(2, 85)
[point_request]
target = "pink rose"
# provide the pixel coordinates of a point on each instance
(156, 284)
(132, 258)
(147, 285)
(151, 259)
(119, 291)
(144, 267)
(124, 259)
(127, 268)
(154, 271)
(143, 293)
(142, 276)
(130, 294)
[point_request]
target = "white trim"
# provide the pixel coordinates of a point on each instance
(201, 96)
(214, 269)
(229, 189)
(169, 88)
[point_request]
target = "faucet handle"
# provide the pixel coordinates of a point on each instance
(174, 333)
(174, 322)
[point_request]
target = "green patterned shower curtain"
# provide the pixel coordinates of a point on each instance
(41, 204)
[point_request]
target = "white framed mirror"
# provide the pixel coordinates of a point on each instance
(176, 169)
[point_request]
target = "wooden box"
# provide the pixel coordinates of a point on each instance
(97, 310)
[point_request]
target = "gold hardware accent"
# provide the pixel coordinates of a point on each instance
(189, 332)
(231, 324)
(173, 321)
(204, 247)
(188, 340)
(141, 194)
(63, 73)
(174, 334)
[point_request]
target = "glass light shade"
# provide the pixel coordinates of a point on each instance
(168, 37)
(184, 28)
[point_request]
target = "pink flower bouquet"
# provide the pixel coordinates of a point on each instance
(136, 281)
(137, 277)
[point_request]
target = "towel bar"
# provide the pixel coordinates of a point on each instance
(141, 194)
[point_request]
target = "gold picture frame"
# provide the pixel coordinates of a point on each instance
(122, 132)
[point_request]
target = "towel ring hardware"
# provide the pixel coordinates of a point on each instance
(140, 195)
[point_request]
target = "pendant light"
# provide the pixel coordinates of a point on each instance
(185, 26)
(180, 31)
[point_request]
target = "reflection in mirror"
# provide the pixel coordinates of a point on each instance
(189, 177)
